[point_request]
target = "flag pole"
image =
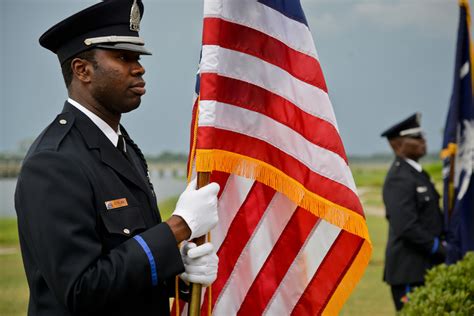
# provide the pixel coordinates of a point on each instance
(203, 178)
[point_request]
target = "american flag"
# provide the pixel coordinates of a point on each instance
(292, 236)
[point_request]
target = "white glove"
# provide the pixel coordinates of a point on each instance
(198, 208)
(200, 263)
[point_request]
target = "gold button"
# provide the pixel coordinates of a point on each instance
(126, 231)
(63, 122)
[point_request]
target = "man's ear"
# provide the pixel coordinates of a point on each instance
(396, 144)
(82, 69)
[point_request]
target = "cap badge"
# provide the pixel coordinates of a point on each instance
(135, 17)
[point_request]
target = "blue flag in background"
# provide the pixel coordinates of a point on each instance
(458, 149)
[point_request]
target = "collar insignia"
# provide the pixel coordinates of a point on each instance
(135, 17)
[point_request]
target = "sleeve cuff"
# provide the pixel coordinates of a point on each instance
(435, 245)
(151, 259)
(164, 251)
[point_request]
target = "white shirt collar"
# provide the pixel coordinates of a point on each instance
(104, 127)
(414, 164)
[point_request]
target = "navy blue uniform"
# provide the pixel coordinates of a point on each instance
(83, 256)
(415, 221)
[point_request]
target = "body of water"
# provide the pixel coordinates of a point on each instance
(7, 191)
(165, 188)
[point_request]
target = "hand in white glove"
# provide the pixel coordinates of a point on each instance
(198, 208)
(200, 263)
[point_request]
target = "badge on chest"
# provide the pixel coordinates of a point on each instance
(110, 205)
(421, 189)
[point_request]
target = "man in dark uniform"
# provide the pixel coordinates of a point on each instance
(91, 235)
(412, 210)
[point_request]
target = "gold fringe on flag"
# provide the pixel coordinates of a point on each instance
(449, 151)
(229, 162)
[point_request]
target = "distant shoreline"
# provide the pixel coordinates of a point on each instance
(11, 168)
(10, 164)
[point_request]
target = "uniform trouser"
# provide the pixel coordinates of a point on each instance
(399, 293)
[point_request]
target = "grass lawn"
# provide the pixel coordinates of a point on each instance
(13, 286)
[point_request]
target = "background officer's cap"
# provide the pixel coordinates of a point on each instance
(111, 24)
(408, 127)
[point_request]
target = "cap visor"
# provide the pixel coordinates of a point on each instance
(126, 46)
(416, 135)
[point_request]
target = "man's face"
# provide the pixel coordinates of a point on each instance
(412, 147)
(116, 81)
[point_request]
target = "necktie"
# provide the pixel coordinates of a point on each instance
(121, 145)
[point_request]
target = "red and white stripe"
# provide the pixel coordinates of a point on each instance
(257, 16)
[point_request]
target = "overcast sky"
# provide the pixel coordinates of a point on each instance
(382, 59)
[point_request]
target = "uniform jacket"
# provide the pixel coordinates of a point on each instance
(415, 219)
(79, 254)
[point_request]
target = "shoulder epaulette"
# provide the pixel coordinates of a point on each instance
(56, 131)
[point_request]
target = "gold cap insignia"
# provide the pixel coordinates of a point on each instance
(135, 17)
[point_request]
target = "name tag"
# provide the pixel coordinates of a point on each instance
(110, 205)
(421, 189)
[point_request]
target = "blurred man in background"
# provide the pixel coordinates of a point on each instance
(412, 209)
